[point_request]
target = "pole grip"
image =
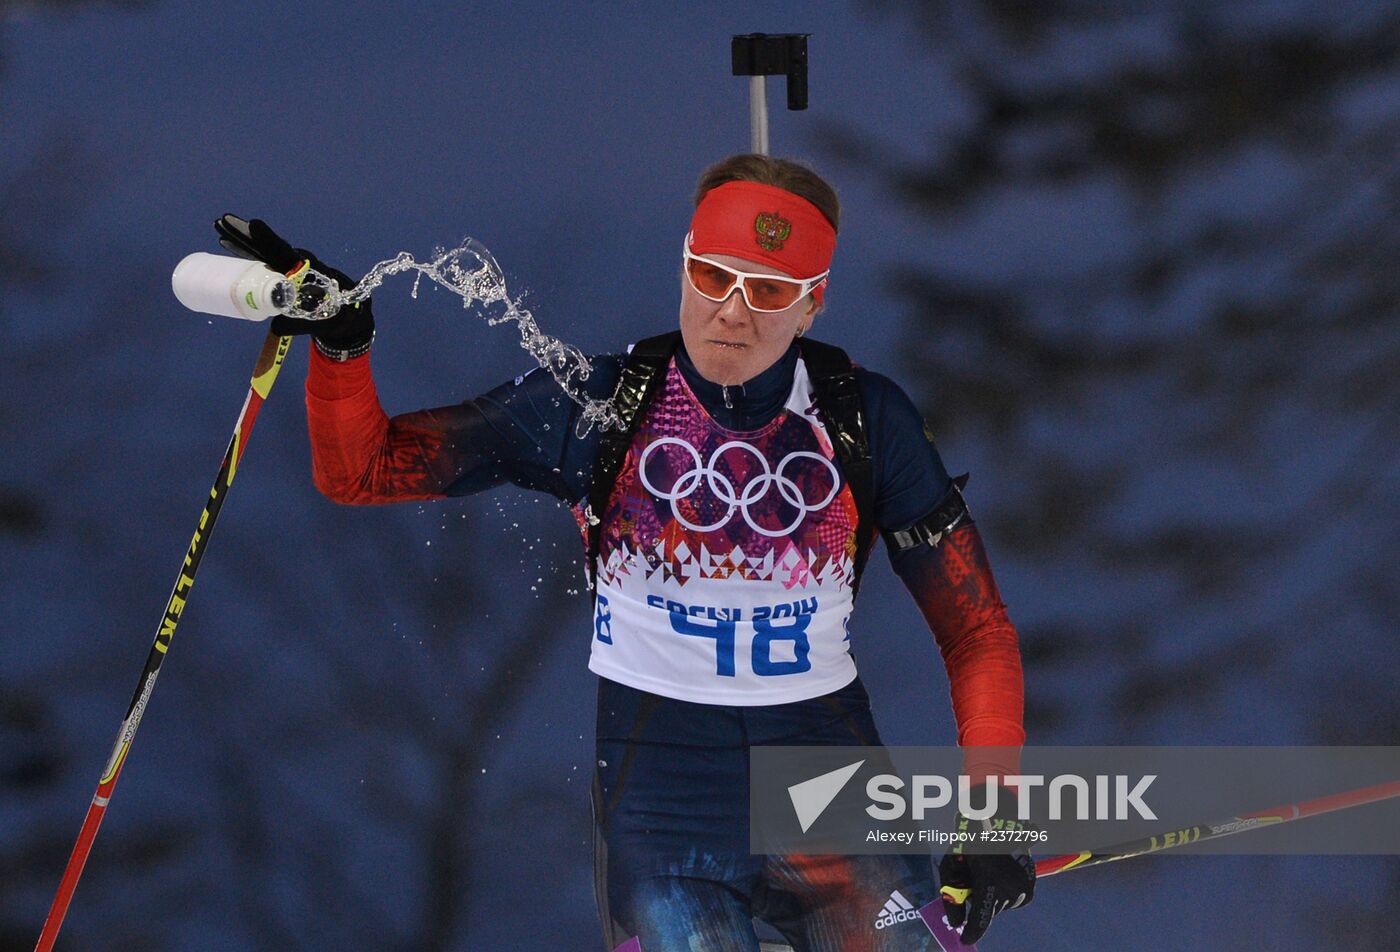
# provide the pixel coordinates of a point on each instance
(796, 71)
(760, 55)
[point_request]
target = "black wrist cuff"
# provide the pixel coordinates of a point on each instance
(342, 354)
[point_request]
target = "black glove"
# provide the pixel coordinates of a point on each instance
(347, 333)
(977, 886)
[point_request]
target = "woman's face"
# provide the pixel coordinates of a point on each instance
(728, 343)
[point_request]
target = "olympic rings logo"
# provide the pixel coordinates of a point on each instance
(723, 488)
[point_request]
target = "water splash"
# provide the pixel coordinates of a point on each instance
(469, 271)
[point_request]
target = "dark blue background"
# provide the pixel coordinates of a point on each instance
(373, 729)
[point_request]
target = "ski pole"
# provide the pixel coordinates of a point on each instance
(1202, 832)
(760, 55)
(948, 939)
(1215, 830)
(274, 351)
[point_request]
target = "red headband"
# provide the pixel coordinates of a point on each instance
(767, 224)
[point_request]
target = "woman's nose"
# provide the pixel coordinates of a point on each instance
(734, 308)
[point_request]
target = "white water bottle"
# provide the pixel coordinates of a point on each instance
(231, 287)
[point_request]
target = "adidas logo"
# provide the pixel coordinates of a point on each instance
(897, 909)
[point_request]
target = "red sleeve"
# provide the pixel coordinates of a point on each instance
(358, 454)
(953, 586)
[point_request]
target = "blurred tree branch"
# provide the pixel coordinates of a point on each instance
(1177, 340)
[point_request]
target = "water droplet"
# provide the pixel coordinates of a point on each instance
(472, 273)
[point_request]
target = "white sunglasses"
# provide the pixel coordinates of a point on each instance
(763, 293)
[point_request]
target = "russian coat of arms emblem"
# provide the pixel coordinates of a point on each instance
(772, 230)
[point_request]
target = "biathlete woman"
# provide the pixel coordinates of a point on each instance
(726, 524)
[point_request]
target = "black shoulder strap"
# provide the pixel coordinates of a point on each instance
(839, 405)
(643, 369)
